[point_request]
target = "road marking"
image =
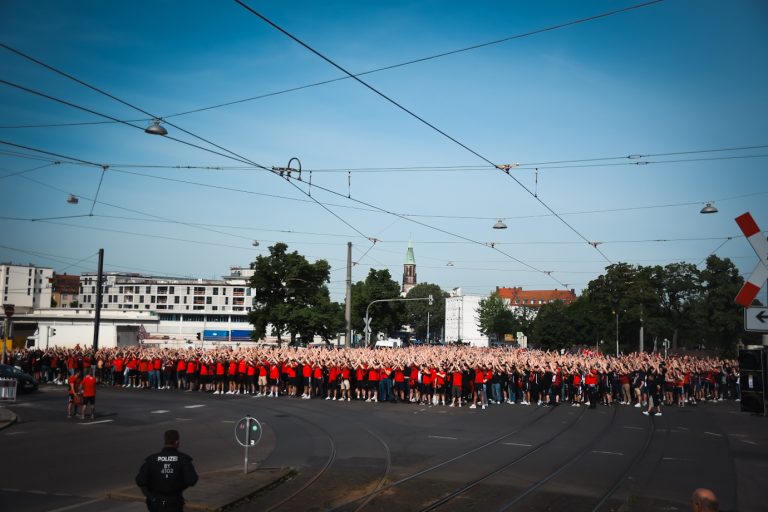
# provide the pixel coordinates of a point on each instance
(748, 442)
(159, 411)
(606, 453)
(77, 505)
(96, 422)
(227, 421)
(517, 444)
(682, 428)
(633, 428)
(14, 433)
(183, 419)
(738, 435)
(713, 434)
(194, 406)
(442, 437)
(676, 458)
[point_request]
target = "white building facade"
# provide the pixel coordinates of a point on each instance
(27, 287)
(461, 319)
(186, 309)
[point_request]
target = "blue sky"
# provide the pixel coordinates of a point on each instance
(671, 82)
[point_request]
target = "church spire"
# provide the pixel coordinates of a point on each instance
(409, 270)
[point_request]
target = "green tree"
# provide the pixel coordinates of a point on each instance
(386, 316)
(719, 317)
(495, 318)
(554, 327)
(416, 311)
(291, 296)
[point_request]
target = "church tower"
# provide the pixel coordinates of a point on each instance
(409, 271)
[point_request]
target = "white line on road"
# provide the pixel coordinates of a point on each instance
(683, 428)
(713, 434)
(183, 419)
(518, 444)
(159, 411)
(14, 433)
(194, 406)
(96, 422)
(633, 428)
(442, 437)
(606, 453)
(677, 458)
(738, 435)
(227, 421)
(748, 442)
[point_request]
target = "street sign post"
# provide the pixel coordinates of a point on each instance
(248, 435)
(756, 319)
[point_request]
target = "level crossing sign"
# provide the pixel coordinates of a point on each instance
(759, 275)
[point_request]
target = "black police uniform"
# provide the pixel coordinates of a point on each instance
(163, 477)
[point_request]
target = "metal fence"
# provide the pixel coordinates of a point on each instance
(8, 390)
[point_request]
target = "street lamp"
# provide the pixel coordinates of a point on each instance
(708, 208)
(156, 128)
(499, 225)
(368, 317)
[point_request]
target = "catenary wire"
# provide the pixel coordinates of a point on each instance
(385, 68)
(421, 119)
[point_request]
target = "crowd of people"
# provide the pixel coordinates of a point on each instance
(452, 376)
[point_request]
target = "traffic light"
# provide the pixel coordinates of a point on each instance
(198, 336)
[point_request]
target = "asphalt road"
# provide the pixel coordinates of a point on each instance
(351, 456)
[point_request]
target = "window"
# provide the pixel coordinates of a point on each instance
(187, 290)
(149, 290)
(226, 300)
(172, 290)
(215, 308)
(176, 299)
(119, 289)
(199, 290)
(29, 282)
(152, 299)
(185, 299)
(162, 290)
(141, 299)
(209, 300)
(215, 290)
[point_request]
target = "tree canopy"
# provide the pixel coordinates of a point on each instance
(291, 296)
(386, 316)
(416, 311)
(689, 306)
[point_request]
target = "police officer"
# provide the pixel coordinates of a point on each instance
(164, 476)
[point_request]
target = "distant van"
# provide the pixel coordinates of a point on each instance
(389, 343)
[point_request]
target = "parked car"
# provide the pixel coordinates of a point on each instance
(25, 381)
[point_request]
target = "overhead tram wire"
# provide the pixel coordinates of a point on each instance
(108, 204)
(232, 155)
(424, 121)
(363, 73)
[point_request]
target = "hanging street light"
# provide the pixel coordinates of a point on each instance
(708, 208)
(156, 128)
(72, 199)
(499, 225)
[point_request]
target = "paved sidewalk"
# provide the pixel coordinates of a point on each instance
(217, 489)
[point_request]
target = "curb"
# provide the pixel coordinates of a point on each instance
(7, 418)
(218, 490)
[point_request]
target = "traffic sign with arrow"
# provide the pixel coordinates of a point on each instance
(756, 319)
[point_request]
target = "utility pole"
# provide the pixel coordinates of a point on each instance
(642, 326)
(97, 317)
(348, 302)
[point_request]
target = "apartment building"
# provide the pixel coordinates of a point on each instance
(25, 286)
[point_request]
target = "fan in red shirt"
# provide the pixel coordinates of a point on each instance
(89, 395)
